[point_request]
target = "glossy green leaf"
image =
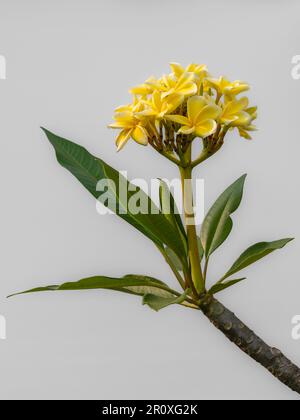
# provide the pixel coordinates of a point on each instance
(217, 224)
(131, 283)
(255, 253)
(89, 170)
(157, 302)
(177, 264)
(224, 285)
(200, 248)
(169, 208)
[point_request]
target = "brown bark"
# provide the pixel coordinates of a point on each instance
(269, 357)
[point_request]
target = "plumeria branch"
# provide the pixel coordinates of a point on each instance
(172, 113)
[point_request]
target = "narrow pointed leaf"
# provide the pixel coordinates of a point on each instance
(89, 170)
(255, 253)
(175, 260)
(169, 207)
(157, 302)
(224, 285)
(200, 248)
(144, 290)
(131, 283)
(217, 224)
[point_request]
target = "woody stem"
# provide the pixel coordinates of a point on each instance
(189, 217)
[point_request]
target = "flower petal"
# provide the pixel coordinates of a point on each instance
(173, 101)
(143, 89)
(145, 113)
(180, 119)
(209, 112)
(122, 139)
(244, 134)
(177, 69)
(139, 134)
(186, 129)
(237, 105)
(118, 124)
(123, 116)
(206, 128)
(195, 104)
(156, 100)
(123, 108)
(236, 87)
(188, 89)
(242, 118)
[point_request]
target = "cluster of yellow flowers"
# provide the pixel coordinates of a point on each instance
(186, 103)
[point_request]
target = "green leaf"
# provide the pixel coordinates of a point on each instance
(200, 248)
(255, 253)
(175, 260)
(131, 283)
(89, 170)
(218, 224)
(169, 208)
(218, 287)
(157, 302)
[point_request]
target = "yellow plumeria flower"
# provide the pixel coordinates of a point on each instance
(252, 111)
(200, 118)
(235, 88)
(224, 87)
(143, 89)
(235, 114)
(244, 131)
(131, 127)
(169, 84)
(158, 106)
(135, 106)
(199, 70)
(202, 106)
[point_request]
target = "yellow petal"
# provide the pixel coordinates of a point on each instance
(244, 134)
(184, 79)
(155, 83)
(122, 139)
(206, 128)
(156, 100)
(123, 108)
(185, 129)
(180, 119)
(145, 113)
(227, 119)
(177, 69)
(238, 105)
(233, 108)
(209, 112)
(123, 116)
(214, 83)
(194, 67)
(218, 84)
(173, 101)
(242, 118)
(139, 134)
(252, 111)
(168, 81)
(188, 89)
(118, 124)
(143, 89)
(195, 104)
(236, 87)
